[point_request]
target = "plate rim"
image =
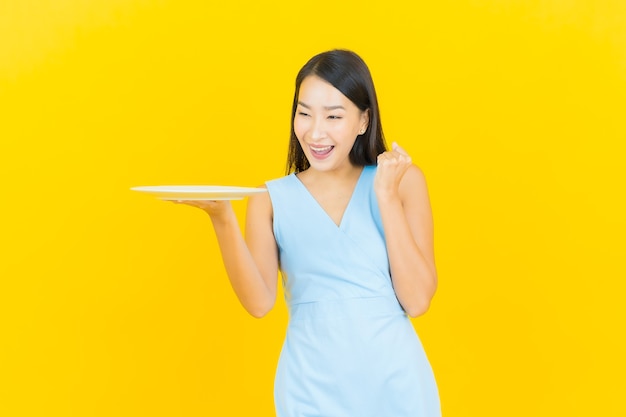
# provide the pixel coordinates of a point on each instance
(199, 192)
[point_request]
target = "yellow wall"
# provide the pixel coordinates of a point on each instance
(116, 304)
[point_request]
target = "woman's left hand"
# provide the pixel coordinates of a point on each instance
(392, 165)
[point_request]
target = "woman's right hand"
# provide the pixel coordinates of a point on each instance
(217, 209)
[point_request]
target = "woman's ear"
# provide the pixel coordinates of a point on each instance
(365, 120)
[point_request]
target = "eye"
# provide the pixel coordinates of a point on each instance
(301, 113)
(334, 117)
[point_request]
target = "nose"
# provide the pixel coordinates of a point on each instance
(318, 129)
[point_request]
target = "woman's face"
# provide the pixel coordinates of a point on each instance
(326, 124)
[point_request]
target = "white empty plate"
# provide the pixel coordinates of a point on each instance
(199, 192)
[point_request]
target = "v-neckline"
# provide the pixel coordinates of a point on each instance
(323, 210)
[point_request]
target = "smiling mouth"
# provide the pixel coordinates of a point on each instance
(321, 150)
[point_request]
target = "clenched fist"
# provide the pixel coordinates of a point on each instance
(392, 165)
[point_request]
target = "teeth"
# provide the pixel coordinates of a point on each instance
(323, 149)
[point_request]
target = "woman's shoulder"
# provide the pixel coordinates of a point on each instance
(415, 173)
(413, 182)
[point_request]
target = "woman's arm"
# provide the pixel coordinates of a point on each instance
(251, 263)
(407, 219)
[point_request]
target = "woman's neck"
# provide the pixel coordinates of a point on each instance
(348, 174)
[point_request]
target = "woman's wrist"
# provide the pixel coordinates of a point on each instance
(386, 196)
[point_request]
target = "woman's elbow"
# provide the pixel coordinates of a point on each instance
(417, 309)
(261, 310)
(419, 305)
(258, 314)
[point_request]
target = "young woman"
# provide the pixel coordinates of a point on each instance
(350, 228)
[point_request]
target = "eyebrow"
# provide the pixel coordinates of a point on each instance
(340, 107)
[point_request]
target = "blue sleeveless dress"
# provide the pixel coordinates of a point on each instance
(350, 350)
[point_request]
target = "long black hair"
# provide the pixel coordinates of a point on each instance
(349, 74)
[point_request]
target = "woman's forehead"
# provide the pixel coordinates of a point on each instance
(316, 92)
